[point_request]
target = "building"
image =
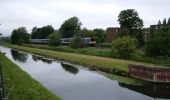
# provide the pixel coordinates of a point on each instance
(111, 33)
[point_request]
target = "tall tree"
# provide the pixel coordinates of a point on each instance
(42, 33)
(130, 19)
(164, 21)
(131, 25)
(70, 27)
(169, 21)
(19, 35)
(159, 22)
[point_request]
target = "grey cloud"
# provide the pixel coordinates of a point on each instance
(92, 13)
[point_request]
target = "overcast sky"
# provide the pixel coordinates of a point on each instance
(92, 13)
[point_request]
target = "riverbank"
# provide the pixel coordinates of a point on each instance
(138, 55)
(20, 86)
(109, 65)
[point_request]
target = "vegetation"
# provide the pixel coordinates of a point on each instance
(20, 86)
(20, 36)
(100, 63)
(131, 25)
(77, 42)
(70, 27)
(54, 39)
(42, 33)
(105, 45)
(129, 19)
(124, 46)
(159, 44)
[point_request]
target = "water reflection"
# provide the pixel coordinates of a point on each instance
(69, 68)
(152, 90)
(18, 56)
(38, 58)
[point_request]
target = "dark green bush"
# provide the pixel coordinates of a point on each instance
(76, 42)
(105, 45)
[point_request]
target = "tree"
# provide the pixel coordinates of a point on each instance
(164, 21)
(169, 21)
(131, 25)
(20, 36)
(99, 35)
(54, 38)
(124, 46)
(70, 27)
(159, 44)
(159, 22)
(129, 19)
(42, 33)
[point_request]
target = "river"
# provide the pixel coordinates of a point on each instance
(73, 82)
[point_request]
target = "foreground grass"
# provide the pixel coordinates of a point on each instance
(20, 86)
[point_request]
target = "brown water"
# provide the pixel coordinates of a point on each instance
(73, 82)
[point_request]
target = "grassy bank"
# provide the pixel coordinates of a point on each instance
(100, 63)
(20, 86)
(103, 52)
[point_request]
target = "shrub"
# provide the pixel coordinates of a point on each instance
(54, 39)
(124, 46)
(77, 42)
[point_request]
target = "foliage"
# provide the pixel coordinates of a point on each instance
(124, 46)
(99, 35)
(159, 44)
(20, 36)
(84, 33)
(54, 39)
(105, 45)
(77, 42)
(129, 19)
(131, 25)
(164, 21)
(169, 21)
(42, 33)
(70, 27)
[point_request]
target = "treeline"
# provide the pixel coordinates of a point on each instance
(70, 28)
(130, 35)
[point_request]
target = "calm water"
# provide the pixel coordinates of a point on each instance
(78, 83)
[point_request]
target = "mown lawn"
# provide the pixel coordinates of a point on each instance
(20, 86)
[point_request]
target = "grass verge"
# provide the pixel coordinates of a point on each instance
(20, 86)
(104, 64)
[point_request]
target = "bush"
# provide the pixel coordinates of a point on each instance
(77, 42)
(159, 44)
(124, 46)
(20, 42)
(105, 45)
(54, 39)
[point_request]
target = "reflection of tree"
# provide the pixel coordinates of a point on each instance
(69, 68)
(152, 90)
(21, 57)
(37, 58)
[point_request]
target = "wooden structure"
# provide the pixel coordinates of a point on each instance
(149, 73)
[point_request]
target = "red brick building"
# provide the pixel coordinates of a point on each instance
(111, 33)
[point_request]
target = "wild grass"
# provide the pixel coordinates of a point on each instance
(20, 86)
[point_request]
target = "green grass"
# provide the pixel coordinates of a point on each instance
(100, 63)
(20, 86)
(104, 52)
